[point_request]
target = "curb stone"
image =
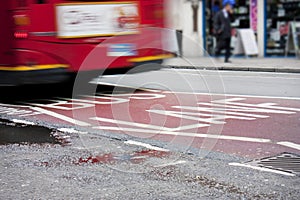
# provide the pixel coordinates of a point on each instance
(233, 68)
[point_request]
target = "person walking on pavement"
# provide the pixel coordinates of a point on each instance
(222, 29)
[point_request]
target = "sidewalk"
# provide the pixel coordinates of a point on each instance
(287, 65)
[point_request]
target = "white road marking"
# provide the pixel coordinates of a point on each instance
(171, 163)
(290, 144)
(16, 110)
(225, 112)
(198, 135)
(148, 146)
(62, 117)
(71, 130)
(148, 126)
(23, 122)
(16, 106)
(140, 96)
(87, 148)
(97, 100)
(253, 108)
(184, 134)
(262, 169)
(265, 107)
(64, 105)
(152, 129)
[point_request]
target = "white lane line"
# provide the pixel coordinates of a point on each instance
(199, 135)
(196, 135)
(16, 106)
(87, 148)
(231, 95)
(71, 130)
(261, 169)
(171, 163)
(148, 126)
(289, 144)
(61, 117)
(23, 122)
(148, 146)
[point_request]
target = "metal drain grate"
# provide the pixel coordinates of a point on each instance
(284, 163)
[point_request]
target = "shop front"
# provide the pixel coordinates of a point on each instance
(280, 14)
(269, 19)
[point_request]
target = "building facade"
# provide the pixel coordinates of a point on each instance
(269, 19)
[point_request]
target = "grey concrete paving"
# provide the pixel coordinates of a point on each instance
(287, 65)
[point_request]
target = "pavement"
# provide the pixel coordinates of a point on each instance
(280, 64)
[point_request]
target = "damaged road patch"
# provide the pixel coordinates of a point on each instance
(17, 132)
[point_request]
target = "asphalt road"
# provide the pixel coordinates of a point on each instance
(260, 98)
(214, 82)
(164, 135)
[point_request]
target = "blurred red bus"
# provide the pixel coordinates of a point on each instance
(44, 41)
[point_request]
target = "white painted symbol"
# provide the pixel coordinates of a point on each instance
(62, 117)
(17, 110)
(202, 115)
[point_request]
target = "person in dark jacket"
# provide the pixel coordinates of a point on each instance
(222, 29)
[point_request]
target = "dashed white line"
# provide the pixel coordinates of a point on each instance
(148, 146)
(289, 144)
(184, 134)
(261, 169)
(172, 163)
(71, 130)
(23, 122)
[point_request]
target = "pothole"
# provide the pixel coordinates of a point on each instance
(20, 133)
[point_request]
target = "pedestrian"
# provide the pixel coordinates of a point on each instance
(222, 29)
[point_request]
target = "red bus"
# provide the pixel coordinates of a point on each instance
(44, 41)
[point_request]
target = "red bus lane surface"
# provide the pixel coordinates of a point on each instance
(247, 126)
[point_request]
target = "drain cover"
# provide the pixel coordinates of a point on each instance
(284, 163)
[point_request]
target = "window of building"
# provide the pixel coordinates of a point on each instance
(279, 14)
